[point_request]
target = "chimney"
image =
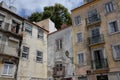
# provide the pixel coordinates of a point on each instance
(63, 26)
(13, 9)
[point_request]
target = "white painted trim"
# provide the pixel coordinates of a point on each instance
(77, 37)
(84, 55)
(114, 53)
(101, 48)
(109, 28)
(6, 75)
(78, 14)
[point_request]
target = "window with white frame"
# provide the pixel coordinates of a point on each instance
(79, 37)
(113, 27)
(116, 52)
(109, 7)
(39, 56)
(28, 29)
(8, 69)
(77, 20)
(59, 44)
(25, 52)
(40, 34)
(81, 59)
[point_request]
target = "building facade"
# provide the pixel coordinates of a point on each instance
(60, 52)
(10, 43)
(96, 40)
(23, 48)
(33, 58)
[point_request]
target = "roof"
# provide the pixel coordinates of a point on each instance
(84, 5)
(59, 30)
(1, 8)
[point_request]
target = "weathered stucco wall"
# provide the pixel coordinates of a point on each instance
(54, 55)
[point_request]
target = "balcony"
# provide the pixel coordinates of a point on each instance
(100, 64)
(96, 39)
(58, 71)
(93, 20)
(7, 27)
(8, 50)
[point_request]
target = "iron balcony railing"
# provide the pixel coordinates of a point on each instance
(100, 64)
(93, 19)
(96, 39)
(8, 50)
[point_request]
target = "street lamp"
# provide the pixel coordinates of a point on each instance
(71, 58)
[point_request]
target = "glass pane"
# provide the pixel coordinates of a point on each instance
(10, 69)
(5, 69)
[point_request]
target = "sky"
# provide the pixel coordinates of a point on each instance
(26, 7)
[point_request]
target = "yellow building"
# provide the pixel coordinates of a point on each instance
(96, 40)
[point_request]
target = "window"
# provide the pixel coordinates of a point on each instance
(92, 16)
(116, 52)
(25, 52)
(79, 37)
(113, 27)
(39, 56)
(15, 27)
(8, 69)
(28, 29)
(59, 67)
(95, 32)
(77, 20)
(59, 44)
(40, 34)
(81, 58)
(1, 19)
(109, 7)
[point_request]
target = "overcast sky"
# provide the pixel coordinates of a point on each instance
(26, 7)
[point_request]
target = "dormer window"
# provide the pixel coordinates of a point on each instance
(15, 27)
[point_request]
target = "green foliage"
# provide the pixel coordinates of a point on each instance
(36, 16)
(57, 13)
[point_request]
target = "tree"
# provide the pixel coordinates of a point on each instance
(57, 13)
(35, 17)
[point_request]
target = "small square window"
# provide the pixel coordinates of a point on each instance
(79, 37)
(25, 52)
(113, 27)
(40, 34)
(109, 7)
(77, 20)
(59, 44)
(28, 29)
(8, 69)
(81, 59)
(39, 56)
(116, 52)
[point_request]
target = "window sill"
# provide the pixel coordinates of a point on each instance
(76, 25)
(116, 60)
(107, 13)
(39, 62)
(114, 33)
(7, 76)
(24, 59)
